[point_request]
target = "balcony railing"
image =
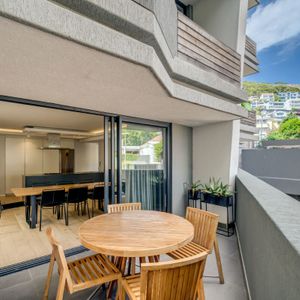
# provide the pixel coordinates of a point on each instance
(198, 47)
(251, 120)
(250, 46)
(251, 62)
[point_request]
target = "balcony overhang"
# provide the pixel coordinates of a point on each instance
(42, 66)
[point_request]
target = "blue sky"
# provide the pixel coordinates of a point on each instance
(275, 26)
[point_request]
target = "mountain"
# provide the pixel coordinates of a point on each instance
(258, 88)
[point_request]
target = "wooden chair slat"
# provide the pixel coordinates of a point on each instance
(205, 240)
(179, 279)
(79, 274)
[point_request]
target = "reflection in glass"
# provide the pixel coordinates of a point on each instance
(143, 165)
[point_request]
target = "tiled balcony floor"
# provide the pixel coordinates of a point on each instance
(29, 284)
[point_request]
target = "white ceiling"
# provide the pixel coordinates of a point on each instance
(40, 66)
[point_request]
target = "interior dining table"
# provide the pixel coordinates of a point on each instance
(139, 233)
(35, 191)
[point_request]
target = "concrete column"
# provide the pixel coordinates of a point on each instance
(181, 166)
(216, 151)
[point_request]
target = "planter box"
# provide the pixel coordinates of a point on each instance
(194, 195)
(217, 200)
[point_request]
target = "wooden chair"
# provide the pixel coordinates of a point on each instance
(115, 208)
(205, 224)
(178, 279)
(80, 274)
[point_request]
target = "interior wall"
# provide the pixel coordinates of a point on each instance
(181, 166)
(2, 165)
(86, 157)
(21, 156)
(14, 162)
(219, 18)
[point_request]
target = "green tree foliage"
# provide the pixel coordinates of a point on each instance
(288, 129)
(158, 151)
(247, 105)
(138, 137)
(256, 88)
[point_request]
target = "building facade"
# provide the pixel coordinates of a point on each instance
(170, 68)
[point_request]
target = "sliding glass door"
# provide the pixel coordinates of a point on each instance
(143, 165)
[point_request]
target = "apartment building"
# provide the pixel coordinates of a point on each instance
(136, 98)
(132, 62)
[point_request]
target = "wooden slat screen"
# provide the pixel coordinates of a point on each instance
(198, 46)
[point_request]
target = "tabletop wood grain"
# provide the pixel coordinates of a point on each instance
(136, 233)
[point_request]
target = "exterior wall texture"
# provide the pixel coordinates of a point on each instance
(269, 234)
(215, 152)
(181, 166)
(166, 15)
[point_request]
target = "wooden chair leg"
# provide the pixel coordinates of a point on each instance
(87, 208)
(61, 287)
(132, 271)
(200, 290)
(41, 209)
(219, 263)
(49, 276)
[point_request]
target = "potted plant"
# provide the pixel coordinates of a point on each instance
(194, 191)
(217, 193)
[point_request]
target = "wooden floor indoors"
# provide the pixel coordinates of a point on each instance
(19, 243)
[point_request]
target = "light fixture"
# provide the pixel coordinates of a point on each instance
(9, 130)
(55, 130)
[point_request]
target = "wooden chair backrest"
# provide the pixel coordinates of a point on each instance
(59, 255)
(114, 208)
(205, 226)
(177, 279)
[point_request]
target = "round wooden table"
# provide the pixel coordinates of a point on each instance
(139, 233)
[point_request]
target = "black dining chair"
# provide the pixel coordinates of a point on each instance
(51, 199)
(97, 194)
(77, 196)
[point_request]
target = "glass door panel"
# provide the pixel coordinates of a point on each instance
(144, 165)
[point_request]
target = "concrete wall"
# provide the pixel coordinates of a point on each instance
(181, 166)
(216, 154)
(219, 18)
(278, 167)
(216, 151)
(165, 12)
(269, 235)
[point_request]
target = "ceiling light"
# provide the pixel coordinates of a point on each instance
(56, 130)
(9, 130)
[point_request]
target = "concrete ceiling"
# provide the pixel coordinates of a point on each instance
(41, 66)
(17, 116)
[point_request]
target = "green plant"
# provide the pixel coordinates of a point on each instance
(216, 188)
(194, 186)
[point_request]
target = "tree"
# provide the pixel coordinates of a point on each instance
(158, 151)
(288, 129)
